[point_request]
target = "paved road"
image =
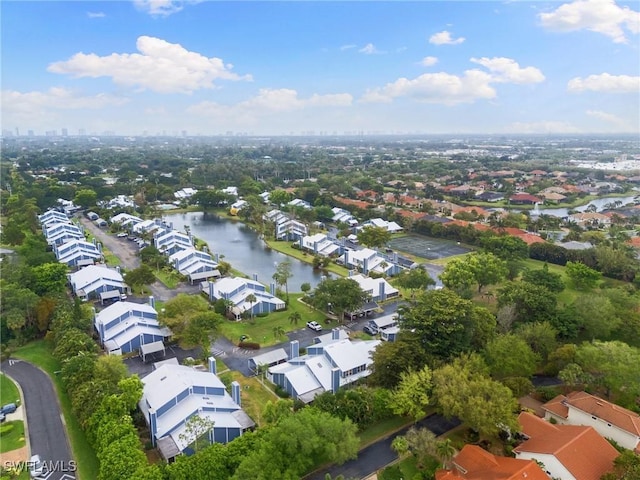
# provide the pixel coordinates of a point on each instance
(380, 454)
(47, 433)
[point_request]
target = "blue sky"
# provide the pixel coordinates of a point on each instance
(271, 68)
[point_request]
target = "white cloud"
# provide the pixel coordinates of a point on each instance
(56, 97)
(96, 14)
(270, 101)
(449, 89)
(370, 49)
(607, 117)
(507, 70)
(601, 16)
(605, 82)
(160, 8)
(428, 61)
(160, 66)
(348, 47)
(440, 87)
(542, 127)
(444, 38)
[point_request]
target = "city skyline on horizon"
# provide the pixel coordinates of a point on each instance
(290, 68)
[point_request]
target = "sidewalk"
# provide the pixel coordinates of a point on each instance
(19, 454)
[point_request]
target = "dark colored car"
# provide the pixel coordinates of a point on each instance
(368, 329)
(9, 408)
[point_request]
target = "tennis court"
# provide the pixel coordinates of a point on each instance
(427, 247)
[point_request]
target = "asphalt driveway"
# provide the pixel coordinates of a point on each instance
(380, 454)
(47, 433)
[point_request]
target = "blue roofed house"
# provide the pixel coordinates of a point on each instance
(77, 253)
(328, 365)
(97, 281)
(286, 228)
(125, 327)
(368, 260)
(194, 264)
(174, 393)
(236, 290)
(172, 241)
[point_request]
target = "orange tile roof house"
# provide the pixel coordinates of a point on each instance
(474, 463)
(609, 419)
(568, 452)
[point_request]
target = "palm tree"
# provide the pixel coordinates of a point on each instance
(294, 318)
(278, 332)
(251, 298)
(445, 451)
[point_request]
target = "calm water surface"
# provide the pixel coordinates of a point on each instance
(242, 248)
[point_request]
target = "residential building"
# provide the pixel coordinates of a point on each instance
(124, 327)
(298, 202)
(185, 193)
(60, 233)
(566, 452)
(391, 227)
(475, 463)
(237, 206)
(194, 264)
(230, 191)
(590, 219)
(172, 394)
(524, 199)
(608, 419)
(367, 260)
(147, 226)
(319, 244)
(378, 289)
(125, 220)
(327, 366)
(238, 290)
(286, 228)
(78, 253)
(342, 216)
(172, 241)
(97, 281)
(52, 216)
(121, 201)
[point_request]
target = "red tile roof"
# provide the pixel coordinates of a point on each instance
(614, 414)
(353, 203)
(581, 450)
(474, 463)
(525, 197)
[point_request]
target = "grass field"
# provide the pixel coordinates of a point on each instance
(382, 428)
(287, 249)
(39, 353)
(169, 280)
(261, 329)
(8, 391)
(254, 396)
(14, 438)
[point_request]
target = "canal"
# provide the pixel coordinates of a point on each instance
(242, 248)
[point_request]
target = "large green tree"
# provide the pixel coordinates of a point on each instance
(414, 279)
(391, 359)
(446, 323)
(374, 237)
(510, 356)
(411, 396)
(340, 294)
(191, 321)
(480, 268)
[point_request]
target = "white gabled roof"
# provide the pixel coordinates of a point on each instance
(91, 274)
(117, 309)
(372, 285)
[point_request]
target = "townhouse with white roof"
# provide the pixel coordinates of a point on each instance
(286, 228)
(185, 193)
(391, 227)
(328, 365)
(378, 289)
(97, 281)
(125, 327)
(341, 215)
(172, 241)
(368, 260)
(59, 233)
(172, 394)
(77, 253)
(236, 290)
(52, 216)
(194, 264)
(319, 244)
(125, 219)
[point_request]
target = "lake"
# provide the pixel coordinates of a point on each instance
(598, 202)
(242, 248)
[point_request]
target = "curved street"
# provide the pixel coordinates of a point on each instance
(44, 422)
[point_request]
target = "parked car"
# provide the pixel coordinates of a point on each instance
(370, 330)
(35, 466)
(314, 326)
(9, 408)
(122, 234)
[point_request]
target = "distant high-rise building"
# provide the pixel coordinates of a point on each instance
(184, 133)
(65, 132)
(17, 132)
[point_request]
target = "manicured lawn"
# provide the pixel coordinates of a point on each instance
(261, 329)
(254, 396)
(39, 353)
(169, 280)
(382, 429)
(287, 249)
(110, 259)
(8, 391)
(14, 438)
(408, 468)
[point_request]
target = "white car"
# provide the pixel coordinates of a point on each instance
(314, 326)
(35, 466)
